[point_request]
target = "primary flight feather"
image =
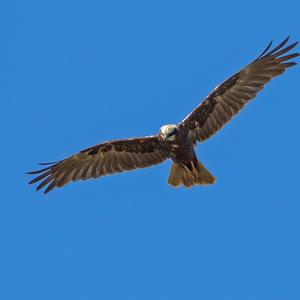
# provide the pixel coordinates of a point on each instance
(176, 142)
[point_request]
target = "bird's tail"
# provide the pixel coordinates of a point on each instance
(198, 175)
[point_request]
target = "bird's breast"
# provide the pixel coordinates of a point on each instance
(182, 152)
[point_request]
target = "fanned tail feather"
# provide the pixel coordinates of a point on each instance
(180, 174)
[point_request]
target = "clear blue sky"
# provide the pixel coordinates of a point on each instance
(75, 73)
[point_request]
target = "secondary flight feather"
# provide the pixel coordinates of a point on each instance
(175, 142)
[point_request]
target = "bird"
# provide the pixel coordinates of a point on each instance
(173, 141)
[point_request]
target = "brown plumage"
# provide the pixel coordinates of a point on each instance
(176, 142)
(107, 158)
(230, 97)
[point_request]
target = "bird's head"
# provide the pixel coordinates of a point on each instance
(168, 133)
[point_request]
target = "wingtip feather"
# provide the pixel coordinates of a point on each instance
(267, 48)
(47, 163)
(50, 187)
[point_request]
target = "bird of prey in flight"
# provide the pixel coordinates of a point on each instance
(175, 142)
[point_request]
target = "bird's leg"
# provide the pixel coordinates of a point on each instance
(191, 169)
(194, 170)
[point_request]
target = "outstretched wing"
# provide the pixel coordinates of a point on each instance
(230, 97)
(107, 158)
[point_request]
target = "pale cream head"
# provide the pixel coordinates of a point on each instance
(168, 132)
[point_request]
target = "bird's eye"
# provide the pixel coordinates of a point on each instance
(175, 131)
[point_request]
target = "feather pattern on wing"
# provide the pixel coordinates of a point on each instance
(232, 95)
(106, 158)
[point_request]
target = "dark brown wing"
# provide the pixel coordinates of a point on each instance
(231, 96)
(107, 158)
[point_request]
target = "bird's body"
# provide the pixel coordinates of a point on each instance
(175, 142)
(186, 169)
(176, 138)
